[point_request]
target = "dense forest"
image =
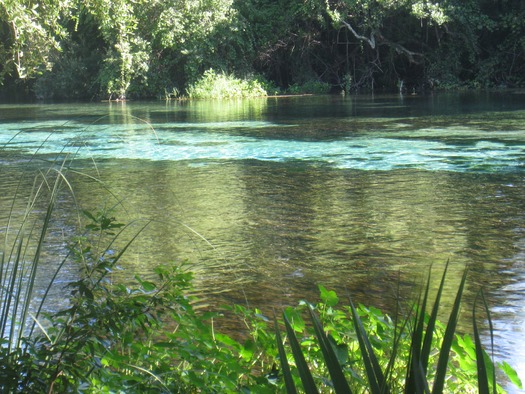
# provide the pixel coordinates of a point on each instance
(100, 49)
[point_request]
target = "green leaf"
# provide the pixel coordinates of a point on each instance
(328, 297)
(304, 372)
(295, 319)
(225, 339)
(467, 345)
(511, 374)
(147, 286)
(89, 215)
(248, 350)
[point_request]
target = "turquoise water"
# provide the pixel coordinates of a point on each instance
(387, 145)
(268, 198)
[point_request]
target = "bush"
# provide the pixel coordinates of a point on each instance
(221, 86)
(310, 87)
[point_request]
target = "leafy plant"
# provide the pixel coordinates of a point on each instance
(141, 336)
(310, 87)
(363, 349)
(219, 86)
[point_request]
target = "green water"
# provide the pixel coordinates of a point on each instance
(268, 198)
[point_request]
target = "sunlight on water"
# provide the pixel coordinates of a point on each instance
(429, 149)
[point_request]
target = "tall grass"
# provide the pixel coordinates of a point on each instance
(21, 260)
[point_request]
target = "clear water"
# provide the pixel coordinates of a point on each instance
(268, 198)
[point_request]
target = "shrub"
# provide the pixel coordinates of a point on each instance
(222, 86)
(310, 87)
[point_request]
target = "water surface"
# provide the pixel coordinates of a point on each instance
(268, 198)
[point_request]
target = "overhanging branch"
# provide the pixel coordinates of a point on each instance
(413, 57)
(371, 41)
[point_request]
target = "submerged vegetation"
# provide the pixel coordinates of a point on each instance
(146, 335)
(141, 48)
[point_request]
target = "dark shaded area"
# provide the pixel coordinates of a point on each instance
(157, 50)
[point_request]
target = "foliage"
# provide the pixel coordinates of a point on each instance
(284, 39)
(219, 86)
(363, 349)
(30, 34)
(141, 337)
(310, 87)
(143, 48)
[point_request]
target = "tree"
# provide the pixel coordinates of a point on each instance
(288, 39)
(502, 49)
(406, 37)
(141, 48)
(30, 33)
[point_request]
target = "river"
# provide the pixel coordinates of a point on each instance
(265, 199)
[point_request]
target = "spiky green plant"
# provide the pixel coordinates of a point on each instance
(20, 260)
(420, 346)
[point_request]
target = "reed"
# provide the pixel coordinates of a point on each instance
(21, 260)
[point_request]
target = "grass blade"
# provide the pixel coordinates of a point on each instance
(304, 372)
(334, 368)
(376, 379)
(416, 381)
(427, 343)
(483, 381)
(422, 346)
(287, 374)
(439, 380)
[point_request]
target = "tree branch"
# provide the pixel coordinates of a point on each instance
(383, 41)
(371, 41)
(401, 49)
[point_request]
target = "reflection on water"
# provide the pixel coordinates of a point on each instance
(266, 199)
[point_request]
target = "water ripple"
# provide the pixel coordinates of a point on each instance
(210, 142)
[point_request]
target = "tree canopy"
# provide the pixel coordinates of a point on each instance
(143, 48)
